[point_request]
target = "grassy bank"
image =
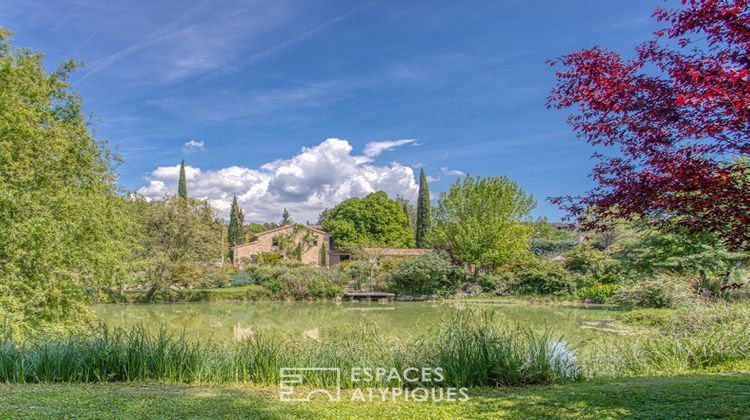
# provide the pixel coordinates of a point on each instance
(472, 349)
(689, 396)
(253, 292)
(250, 292)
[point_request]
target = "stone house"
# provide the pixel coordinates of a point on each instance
(307, 243)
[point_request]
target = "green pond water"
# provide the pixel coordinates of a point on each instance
(225, 320)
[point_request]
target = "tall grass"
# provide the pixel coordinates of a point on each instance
(697, 337)
(471, 349)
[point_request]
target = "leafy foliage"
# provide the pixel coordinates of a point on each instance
(63, 228)
(678, 112)
(483, 221)
(426, 274)
(661, 291)
(551, 247)
(373, 220)
(543, 277)
(181, 238)
(678, 251)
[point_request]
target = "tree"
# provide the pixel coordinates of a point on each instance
(179, 242)
(63, 227)
(678, 114)
(235, 230)
(423, 211)
(374, 220)
(286, 218)
(409, 209)
(182, 185)
(323, 256)
(484, 221)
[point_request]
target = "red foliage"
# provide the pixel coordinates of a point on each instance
(678, 112)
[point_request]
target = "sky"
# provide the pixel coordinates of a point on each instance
(301, 104)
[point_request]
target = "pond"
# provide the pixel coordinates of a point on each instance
(237, 320)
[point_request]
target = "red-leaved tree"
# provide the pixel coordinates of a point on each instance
(677, 114)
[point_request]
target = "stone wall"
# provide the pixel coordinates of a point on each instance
(265, 243)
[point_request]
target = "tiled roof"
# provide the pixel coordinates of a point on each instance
(397, 252)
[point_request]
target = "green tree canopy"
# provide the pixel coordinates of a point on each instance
(374, 220)
(484, 221)
(181, 238)
(63, 228)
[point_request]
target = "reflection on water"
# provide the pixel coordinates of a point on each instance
(313, 320)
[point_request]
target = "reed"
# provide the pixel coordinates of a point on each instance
(472, 349)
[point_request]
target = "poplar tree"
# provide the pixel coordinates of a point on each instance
(182, 186)
(423, 211)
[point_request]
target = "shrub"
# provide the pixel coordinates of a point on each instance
(543, 277)
(584, 259)
(300, 282)
(426, 274)
(499, 283)
(243, 278)
(662, 291)
(551, 247)
(587, 260)
(598, 293)
(359, 272)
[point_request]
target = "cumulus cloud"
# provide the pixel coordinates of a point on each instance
(377, 147)
(192, 146)
(316, 178)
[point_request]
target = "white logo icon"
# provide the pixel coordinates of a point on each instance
(299, 377)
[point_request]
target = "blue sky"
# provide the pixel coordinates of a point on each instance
(239, 88)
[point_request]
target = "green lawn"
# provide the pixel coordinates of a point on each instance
(689, 396)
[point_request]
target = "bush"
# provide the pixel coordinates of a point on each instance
(243, 278)
(500, 283)
(359, 272)
(662, 291)
(598, 293)
(294, 281)
(426, 274)
(551, 247)
(543, 277)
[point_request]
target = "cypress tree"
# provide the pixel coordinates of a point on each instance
(235, 230)
(182, 186)
(423, 211)
(323, 256)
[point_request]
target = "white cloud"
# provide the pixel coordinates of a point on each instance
(192, 146)
(452, 172)
(375, 148)
(316, 178)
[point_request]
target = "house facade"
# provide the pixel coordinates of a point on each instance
(309, 244)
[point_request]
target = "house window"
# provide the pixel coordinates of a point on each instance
(314, 242)
(274, 242)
